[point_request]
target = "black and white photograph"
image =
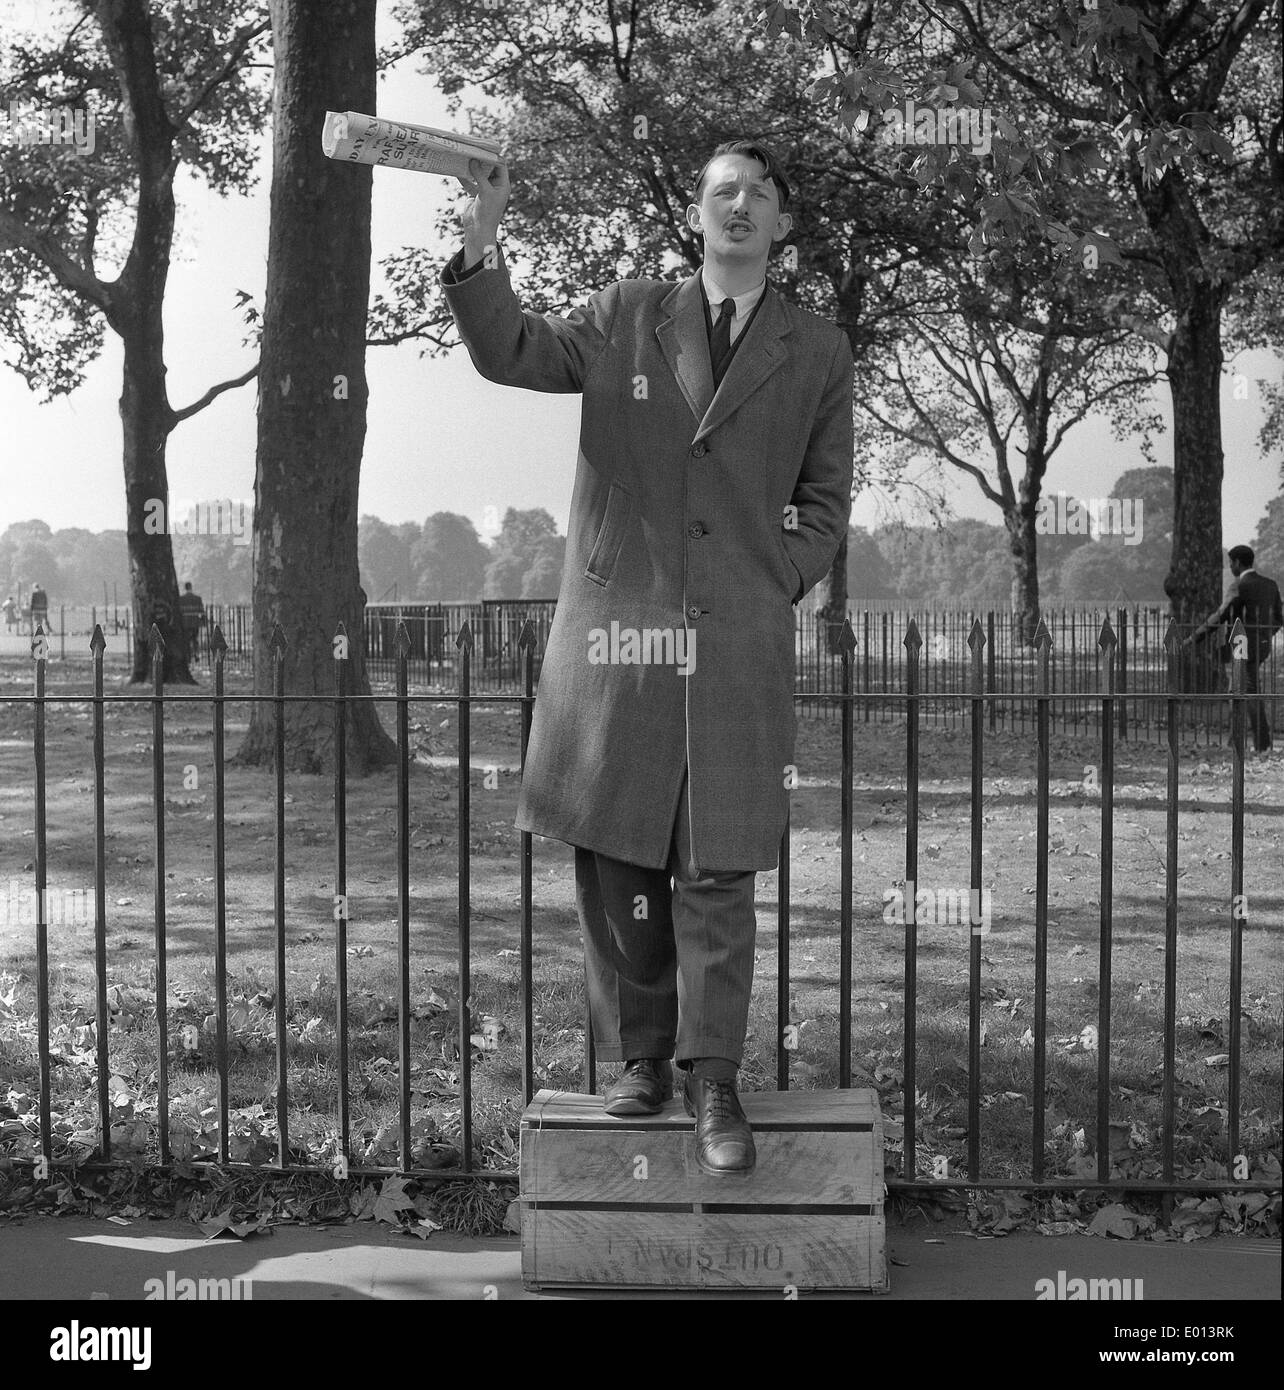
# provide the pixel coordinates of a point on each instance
(642, 660)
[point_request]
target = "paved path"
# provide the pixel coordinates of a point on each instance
(78, 1258)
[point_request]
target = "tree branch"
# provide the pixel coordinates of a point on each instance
(15, 235)
(213, 393)
(235, 53)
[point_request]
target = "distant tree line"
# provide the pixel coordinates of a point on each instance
(1113, 549)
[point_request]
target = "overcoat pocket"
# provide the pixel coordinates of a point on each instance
(610, 535)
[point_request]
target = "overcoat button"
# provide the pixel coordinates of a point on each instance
(693, 612)
(698, 451)
(696, 529)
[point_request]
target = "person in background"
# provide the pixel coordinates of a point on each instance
(1255, 600)
(10, 610)
(192, 610)
(39, 608)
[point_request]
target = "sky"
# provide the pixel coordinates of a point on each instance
(439, 437)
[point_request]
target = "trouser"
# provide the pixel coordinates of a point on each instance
(1254, 705)
(668, 953)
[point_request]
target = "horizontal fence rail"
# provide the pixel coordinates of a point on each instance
(976, 701)
(1142, 660)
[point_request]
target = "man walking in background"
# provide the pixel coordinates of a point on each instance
(39, 609)
(712, 490)
(192, 612)
(1255, 600)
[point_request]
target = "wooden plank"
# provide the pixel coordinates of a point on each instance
(706, 1252)
(856, 1109)
(659, 1165)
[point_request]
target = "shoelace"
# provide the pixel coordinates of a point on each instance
(722, 1100)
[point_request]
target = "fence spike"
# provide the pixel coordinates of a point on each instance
(402, 643)
(97, 642)
(218, 643)
(976, 637)
(1107, 637)
(846, 637)
(154, 640)
(527, 636)
(1171, 638)
(465, 638)
(277, 643)
(913, 639)
(340, 628)
(1042, 637)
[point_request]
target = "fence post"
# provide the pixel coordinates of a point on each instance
(990, 678)
(97, 645)
(1239, 673)
(1106, 643)
(158, 808)
(526, 650)
(1173, 644)
(402, 650)
(40, 655)
(1043, 647)
(464, 642)
(218, 651)
(276, 650)
(975, 640)
(342, 657)
(846, 646)
(909, 1142)
(1122, 680)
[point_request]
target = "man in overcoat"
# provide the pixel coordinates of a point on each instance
(712, 490)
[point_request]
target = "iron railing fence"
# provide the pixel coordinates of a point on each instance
(978, 703)
(880, 662)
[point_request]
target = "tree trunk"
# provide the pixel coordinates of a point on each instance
(145, 417)
(1193, 583)
(134, 307)
(1023, 545)
(312, 390)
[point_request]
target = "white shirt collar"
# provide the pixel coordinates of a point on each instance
(716, 294)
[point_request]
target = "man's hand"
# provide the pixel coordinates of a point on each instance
(481, 216)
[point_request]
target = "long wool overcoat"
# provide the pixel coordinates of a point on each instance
(697, 521)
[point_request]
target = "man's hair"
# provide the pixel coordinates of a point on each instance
(1243, 554)
(755, 149)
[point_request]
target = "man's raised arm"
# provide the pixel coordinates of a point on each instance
(541, 352)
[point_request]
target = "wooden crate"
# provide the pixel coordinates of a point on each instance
(619, 1202)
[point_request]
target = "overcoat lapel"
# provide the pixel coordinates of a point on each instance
(684, 341)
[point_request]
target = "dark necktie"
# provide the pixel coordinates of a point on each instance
(720, 340)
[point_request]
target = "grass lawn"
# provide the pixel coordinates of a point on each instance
(877, 1004)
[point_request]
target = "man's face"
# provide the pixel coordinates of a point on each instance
(739, 210)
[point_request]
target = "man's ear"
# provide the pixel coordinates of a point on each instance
(693, 217)
(783, 223)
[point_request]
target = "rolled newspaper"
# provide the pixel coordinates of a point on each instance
(348, 135)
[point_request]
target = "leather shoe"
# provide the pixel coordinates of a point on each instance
(724, 1141)
(646, 1084)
